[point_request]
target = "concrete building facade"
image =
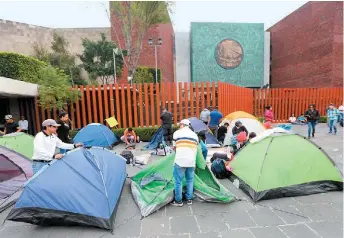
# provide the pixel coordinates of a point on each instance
(307, 47)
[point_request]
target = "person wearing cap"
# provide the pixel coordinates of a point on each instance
(185, 142)
(45, 144)
(10, 126)
(239, 128)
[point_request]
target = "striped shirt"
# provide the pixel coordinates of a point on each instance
(186, 142)
(332, 114)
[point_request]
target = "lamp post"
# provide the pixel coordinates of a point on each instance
(150, 42)
(114, 52)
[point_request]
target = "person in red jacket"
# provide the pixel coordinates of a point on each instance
(268, 115)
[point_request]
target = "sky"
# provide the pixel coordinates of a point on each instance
(72, 14)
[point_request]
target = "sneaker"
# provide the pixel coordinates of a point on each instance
(177, 204)
(189, 202)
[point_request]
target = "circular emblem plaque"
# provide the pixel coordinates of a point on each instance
(229, 54)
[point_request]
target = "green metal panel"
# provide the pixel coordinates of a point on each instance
(204, 40)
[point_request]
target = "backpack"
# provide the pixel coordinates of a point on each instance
(128, 155)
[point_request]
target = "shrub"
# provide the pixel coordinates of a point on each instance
(20, 67)
(323, 119)
(261, 119)
(146, 75)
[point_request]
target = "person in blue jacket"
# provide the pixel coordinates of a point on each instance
(201, 136)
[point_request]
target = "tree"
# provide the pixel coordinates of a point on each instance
(54, 89)
(97, 59)
(133, 19)
(60, 58)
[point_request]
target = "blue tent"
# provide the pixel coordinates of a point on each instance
(96, 134)
(198, 126)
(83, 188)
(157, 138)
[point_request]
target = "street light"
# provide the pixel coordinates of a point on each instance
(114, 52)
(150, 42)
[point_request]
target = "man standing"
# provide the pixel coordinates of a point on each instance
(45, 143)
(205, 114)
(332, 118)
(23, 124)
(167, 121)
(312, 116)
(215, 118)
(11, 126)
(221, 134)
(186, 142)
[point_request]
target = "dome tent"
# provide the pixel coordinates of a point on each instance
(95, 179)
(251, 123)
(15, 170)
(19, 142)
(96, 134)
(281, 164)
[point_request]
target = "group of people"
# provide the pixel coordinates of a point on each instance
(11, 126)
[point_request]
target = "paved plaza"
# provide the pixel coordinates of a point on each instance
(319, 215)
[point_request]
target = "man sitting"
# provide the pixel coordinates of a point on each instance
(10, 126)
(129, 137)
(239, 128)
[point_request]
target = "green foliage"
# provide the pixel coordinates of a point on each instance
(145, 75)
(20, 67)
(145, 133)
(54, 89)
(133, 19)
(322, 119)
(97, 59)
(60, 58)
(261, 119)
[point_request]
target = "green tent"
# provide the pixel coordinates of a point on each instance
(284, 165)
(20, 142)
(153, 187)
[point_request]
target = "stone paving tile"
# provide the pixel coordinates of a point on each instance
(265, 217)
(205, 235)
(175, 236)
(126, 212)
(209, 223)
(178, 211)
(25, 231)
(237, 234)
(298, 231)
(80, 232)
(154, 226)
(322, 212)
(328, 229)
(132, 228)
(268, 232)
(290, 215)
(240, 206)
(207, 208)
(238, 220)
(330, 197)
(185, 224)
(280, 202)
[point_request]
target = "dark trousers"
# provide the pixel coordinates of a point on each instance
(168, 134)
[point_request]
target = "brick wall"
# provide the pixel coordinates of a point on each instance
(307, 47)
(147, 56)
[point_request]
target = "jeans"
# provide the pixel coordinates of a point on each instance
(168, 134)
(178, 174)
(311, 128)
(37, 166)
(333, 123)
(214, 130)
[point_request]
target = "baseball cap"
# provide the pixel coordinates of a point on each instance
(50, 122)
(8, 117)
(185, 122)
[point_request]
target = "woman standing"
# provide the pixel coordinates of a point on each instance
(63, 130)
(312, 116)
(268, 115)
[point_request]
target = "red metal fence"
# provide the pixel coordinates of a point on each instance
(141, 104)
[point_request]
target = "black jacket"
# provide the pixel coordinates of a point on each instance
(312, 115)
(236, 130)
(63, 132)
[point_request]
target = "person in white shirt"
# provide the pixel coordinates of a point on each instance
(205, 115)
(45, 143)
(23, 124)
(185, 142)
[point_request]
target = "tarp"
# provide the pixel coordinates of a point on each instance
(83, 188)
(96, 134)
(19, 142)
(15, 170)
(157, 138)
(281, 164)
(251, 123)
(198, 126)
(153, 187)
